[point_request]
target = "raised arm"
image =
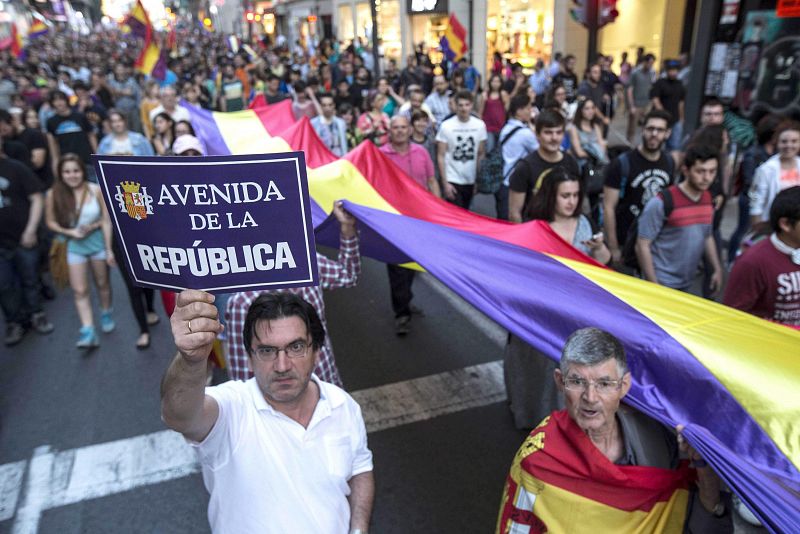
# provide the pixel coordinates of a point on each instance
(346, 270)
(185, 407)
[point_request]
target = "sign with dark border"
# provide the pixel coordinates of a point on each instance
(421, 7)
(221, 224)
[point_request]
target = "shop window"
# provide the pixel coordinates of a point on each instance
(345, 30)
(428, 30)
(521, 30)
(389, 28)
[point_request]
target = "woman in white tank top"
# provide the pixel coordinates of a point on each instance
(76, 212)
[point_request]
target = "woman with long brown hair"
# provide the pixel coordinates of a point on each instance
(74, 209)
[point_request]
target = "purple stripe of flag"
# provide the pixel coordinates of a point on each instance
(206, 129)
(543, 301)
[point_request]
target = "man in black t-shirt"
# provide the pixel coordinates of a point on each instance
(21, 206)
(649, 170)
(567, 78)
(69, 131)
(13, 147)
(668, 93)
(525, 179)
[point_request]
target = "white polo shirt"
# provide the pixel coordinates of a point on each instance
(268, 474)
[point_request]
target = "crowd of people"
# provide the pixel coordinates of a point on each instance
(650, 206)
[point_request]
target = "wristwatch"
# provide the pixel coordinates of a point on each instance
(719, 510)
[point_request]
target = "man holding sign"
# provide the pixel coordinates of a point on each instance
(284, 451)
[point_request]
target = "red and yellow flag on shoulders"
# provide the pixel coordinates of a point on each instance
(561, 482)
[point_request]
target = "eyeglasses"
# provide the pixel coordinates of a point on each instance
(602, 386)
(295, 349)
(655, 129)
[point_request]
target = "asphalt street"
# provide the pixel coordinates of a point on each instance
(444, 474)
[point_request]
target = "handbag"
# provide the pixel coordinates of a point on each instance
(57, 256)
(58, 262)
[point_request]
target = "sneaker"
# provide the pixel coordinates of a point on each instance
(40, 323)
(401, 325)
(14, 334)
(88, 338)
(107, 323)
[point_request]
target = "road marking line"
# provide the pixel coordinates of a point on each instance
(71, 476)
(37, 492)
(419, 399)
(10, 484)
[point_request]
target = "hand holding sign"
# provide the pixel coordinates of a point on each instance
(195, 324)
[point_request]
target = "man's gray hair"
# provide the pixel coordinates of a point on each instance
(399, 118)
(592, 346)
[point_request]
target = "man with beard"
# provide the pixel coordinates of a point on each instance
(633, 178)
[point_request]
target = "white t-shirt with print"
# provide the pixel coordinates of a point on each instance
(463, 140)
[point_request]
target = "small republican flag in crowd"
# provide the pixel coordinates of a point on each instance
(454, 40)
(17, 46)
(138, 21)
(37, 29)
(152, 60)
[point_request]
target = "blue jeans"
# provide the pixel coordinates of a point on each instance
(19, 283)
(676, 137)
(742, 226)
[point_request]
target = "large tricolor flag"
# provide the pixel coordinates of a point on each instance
(731, 378)
(454, 40)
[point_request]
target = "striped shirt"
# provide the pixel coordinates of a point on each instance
(343, 272)
(677, 244)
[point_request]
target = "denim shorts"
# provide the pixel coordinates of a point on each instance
(76, 259)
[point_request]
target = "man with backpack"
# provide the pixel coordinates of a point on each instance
(516, 141)
(632, 179)
(675, 228)
(525, 177)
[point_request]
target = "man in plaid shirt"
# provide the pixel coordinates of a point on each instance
(332, 275)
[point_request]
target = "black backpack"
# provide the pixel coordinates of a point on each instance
(629, 258)
(490, 177)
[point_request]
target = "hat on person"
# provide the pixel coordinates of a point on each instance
(187, 142)
(672, 64)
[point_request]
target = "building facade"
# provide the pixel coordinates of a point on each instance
(520, 30)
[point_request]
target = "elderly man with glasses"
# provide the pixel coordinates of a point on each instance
(598, 467)
(283, 451)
